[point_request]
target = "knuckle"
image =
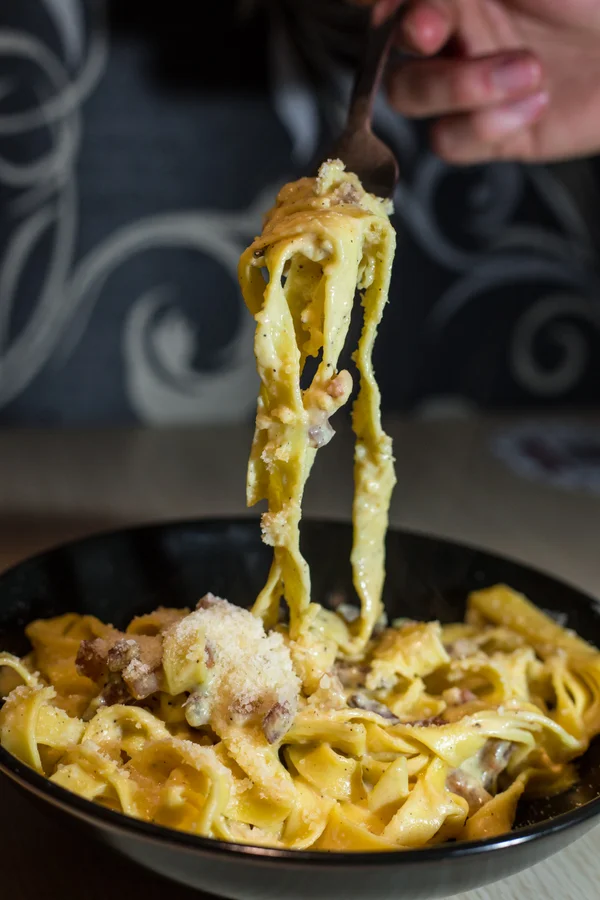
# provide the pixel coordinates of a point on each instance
(457, 144)
(421, 91)
(464, 89)
(413, 90)
(444, 144)
(482, 129)
(518, 148)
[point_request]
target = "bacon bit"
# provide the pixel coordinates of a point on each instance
(277, 722)
(494, 758)
(425, 723)
(361, 701)
(90, 659)
(469, 788)
(207, 601)
(337, 387)
(114, 691)
(121, 654)
(320, 433)
(136, 660)
(141, 679)
(347, 193)
(242, 709)
(209, 656)
(458, 696)
(352, 675)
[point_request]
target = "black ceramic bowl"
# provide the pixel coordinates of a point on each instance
(120, 575)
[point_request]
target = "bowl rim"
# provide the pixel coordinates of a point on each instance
(70, 803)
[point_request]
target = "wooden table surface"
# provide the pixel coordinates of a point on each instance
(59, 485)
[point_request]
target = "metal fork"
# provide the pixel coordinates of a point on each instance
(359, 148)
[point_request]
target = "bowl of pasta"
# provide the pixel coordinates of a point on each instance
(345, 712)
(454, 750)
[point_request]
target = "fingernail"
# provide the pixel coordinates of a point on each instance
(516, 75)
(515, 116)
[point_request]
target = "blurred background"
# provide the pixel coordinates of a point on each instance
(139, 148)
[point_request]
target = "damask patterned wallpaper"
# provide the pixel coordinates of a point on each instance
(140, 144)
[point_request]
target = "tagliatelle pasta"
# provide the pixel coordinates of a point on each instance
(432, 733)
(322, 729)
(324, 240)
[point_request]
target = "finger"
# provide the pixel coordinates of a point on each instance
(383, 10)
(426, 26)
(425, 88)
(489, 134)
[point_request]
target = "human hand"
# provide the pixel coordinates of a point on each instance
(501, 79)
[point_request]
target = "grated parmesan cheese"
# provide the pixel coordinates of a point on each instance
(250, 671)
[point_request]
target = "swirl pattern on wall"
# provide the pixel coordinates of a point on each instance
(127, 193)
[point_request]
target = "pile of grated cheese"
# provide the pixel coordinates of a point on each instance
(249, 672)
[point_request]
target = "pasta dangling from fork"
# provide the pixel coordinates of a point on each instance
(324, 241)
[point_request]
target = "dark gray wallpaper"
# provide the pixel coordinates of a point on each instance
(140, 144)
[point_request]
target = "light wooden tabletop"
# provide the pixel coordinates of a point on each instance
(58, 485)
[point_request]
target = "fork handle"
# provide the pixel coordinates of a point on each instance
(368, 79)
